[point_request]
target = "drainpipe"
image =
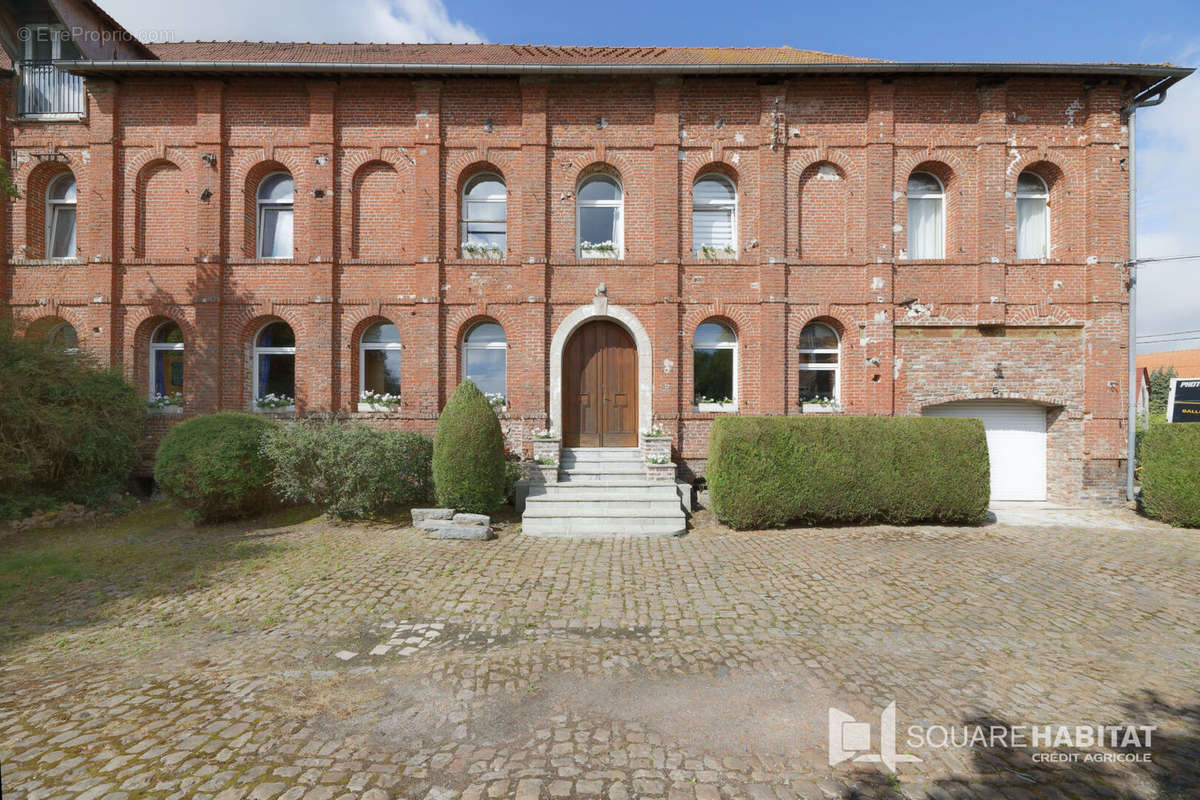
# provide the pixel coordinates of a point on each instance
(1153, 96)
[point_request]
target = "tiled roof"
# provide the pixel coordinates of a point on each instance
(488, 54)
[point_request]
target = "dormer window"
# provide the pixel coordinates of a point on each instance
(45, 90)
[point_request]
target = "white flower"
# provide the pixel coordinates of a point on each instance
(372, 398)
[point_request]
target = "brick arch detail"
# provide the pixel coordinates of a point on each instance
(57, 315)
(37, 179)
(612, 164)
(734, 317)
(468, 162)
(140, 324)
(806, 159)
(1050, 401)
(702, 163)
(1026, 314)
(247, 173)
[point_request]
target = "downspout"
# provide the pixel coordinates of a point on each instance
(1153, 96)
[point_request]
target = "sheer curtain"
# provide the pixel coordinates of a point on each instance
(926, 232)
(1031, 227)
(277, 232)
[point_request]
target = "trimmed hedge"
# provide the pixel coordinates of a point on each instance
(771, 471)
(1169, 455)
(213, 466)
(468, 453)
(68, 430)
(350, 470)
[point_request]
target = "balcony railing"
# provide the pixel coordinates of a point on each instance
(47, 91)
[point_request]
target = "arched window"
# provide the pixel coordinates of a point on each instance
(714, 217)
(275, 199)
(599, 223)
(819, 356)
(275, 367)
(485, 217)
(485, 361)
(714, 367)
(60, 217)
(379, 366)
(926, 216)
(1033, 216)
(63, 337)
(166, 365)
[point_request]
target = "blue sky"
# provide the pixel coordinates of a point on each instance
(917, 30)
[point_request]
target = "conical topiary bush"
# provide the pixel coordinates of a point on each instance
(468, 453)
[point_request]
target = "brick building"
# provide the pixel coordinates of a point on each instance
(605, 238)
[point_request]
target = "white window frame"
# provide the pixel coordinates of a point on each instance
(940, 196)
(718, 407)
(155, 349)
(730, 206)
(262, 206)
(466, 200)
(467, 347)
(267, 351)
(1044, 196)
(363, 347)
(618, 217)
(52, 209)
(835, 368)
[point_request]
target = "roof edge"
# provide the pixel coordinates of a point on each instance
(85, 67)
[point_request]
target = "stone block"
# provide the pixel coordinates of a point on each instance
(422, 514)
(466, 532)
(472, 519)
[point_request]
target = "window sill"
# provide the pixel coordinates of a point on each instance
(820, 408)
(715, 408)
(164, 411)
(63, 116)
(598, 255)
(282, 411)
(373, 408)
(498, 258)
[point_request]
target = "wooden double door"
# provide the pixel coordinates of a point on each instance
(600, 387)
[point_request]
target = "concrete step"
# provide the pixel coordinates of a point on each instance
(577, 476)
(605, 490)
(546, 507)
(601, 455)
(603, 527)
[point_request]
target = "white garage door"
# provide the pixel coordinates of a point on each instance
(1016, 438)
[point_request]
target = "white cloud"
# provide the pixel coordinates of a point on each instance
(1168, 143)
(292, 20)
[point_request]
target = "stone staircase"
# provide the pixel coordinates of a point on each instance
(603, 492)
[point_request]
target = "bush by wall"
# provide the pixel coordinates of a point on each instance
(468, 453)
(350, 470)
(213, 466)
(1169, 455)
(68, 430)
(770, 471)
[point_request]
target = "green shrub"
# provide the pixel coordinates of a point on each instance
(213, 466)
(68, 430)
(468, 453)
(350, 470)
(770, 471)
(1170, 473)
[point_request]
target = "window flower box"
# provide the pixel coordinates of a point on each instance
(714, 404)
(377, 401)
(481, 252)
(275, 404)
(598, 250)
(820, 407)
(714, 253)
(165, 403)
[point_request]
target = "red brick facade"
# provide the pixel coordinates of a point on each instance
(167, 170)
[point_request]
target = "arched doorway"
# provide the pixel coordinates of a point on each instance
(600, 387)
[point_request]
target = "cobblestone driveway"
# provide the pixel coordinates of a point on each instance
(365, 662)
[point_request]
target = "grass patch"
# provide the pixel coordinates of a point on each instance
(73, 575)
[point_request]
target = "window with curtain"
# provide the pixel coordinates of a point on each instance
(60, 217)
(275, 213)
(1033, 216)
(714, 367)
(599, 223)
(485, 361)
(485, 217)
(166, 365)
(714, 217)
(926, 216)
(379, 365)
(819, 356)
(275, 367)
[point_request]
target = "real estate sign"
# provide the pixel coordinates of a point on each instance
(1183, 404)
